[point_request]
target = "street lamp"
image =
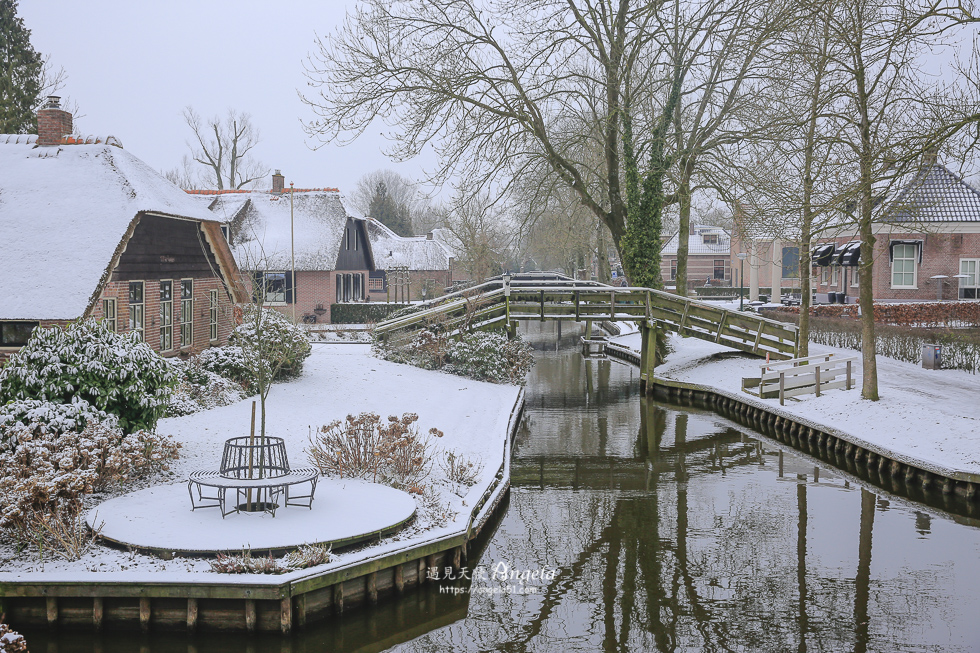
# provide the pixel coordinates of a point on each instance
(741, 279)
(292, 251)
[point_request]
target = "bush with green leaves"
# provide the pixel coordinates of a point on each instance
(229, 362)
(115, 373)
(270, 343)
(201, 389)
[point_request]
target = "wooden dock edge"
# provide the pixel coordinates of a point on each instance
(843, 450)
(260, 604)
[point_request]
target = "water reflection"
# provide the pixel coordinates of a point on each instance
(670, 530)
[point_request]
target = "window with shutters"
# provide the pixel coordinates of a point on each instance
(274, 287)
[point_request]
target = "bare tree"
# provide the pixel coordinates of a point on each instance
(224, 148)
(402, 195)
(884, 124)
(494, 88)
(480, 230)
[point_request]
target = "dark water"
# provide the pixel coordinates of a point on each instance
(657, 529)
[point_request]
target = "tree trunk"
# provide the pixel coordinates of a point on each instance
(684, 222)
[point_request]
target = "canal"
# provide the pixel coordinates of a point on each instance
(634, 526)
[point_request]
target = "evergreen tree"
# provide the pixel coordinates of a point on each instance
(385, 210)
(21, 72)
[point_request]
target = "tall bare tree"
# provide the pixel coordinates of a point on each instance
(493, 87)
(224, 147)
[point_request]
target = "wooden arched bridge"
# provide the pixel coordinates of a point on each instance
(501, 303)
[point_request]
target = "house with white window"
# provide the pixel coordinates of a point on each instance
(927, 245)
(87, 230)
(428, 260)
(273, 233)
(708, 257)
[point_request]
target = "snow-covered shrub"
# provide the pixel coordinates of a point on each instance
(200, 389)
(11, 641)
(490, 356)
(46, 472)
(480, 355)
(115, 373)
(229, 362)
(460, 469)
(36, 415)
(395, 453)
(306, 556)
(271, 343)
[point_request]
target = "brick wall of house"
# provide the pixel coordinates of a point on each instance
(119, 290)
(940, 256)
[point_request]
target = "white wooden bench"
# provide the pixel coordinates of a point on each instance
(797, 376)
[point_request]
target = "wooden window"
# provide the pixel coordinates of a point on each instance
(673, 269)
(166, 315)
(136, 308)
(274, 286)
(186, 312)
(213, 315)
(970, 282)
(16, 334)
(855, 277)
(824, 275)
(109, 313)
(904, 266)
(710, 239)
(376, 283)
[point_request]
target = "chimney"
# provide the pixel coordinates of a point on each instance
(53, 122)
(278, 182)
(930, 156)
(429, 236)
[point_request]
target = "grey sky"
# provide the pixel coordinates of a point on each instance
(133, 66)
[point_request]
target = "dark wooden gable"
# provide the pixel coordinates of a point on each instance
(355, 252)
(166, 248)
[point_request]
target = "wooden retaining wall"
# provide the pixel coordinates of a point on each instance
(254, 606)
(829, 445)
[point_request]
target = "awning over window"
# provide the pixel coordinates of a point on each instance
(822, 254)
(892, 243)
(848, 255)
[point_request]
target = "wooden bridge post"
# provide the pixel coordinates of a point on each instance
(643, 355)
(588, 329)
(648, 357)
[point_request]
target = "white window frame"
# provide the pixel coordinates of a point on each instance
(266, 296)
(855, 276)
(166, 317)
(973, 284)
(109, 313)
(137, 310)
(824, 275)
(186, 315)
(213, 315)
(914, 258)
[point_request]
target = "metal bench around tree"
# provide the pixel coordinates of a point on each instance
(258, 472)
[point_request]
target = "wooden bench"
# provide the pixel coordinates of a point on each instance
(799, 376)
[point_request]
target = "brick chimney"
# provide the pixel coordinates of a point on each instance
(278, 182)
(930, 157)
(53, 122)
(429, 236)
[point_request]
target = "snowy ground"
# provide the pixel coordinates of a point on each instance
(337, 381)
(925, 416)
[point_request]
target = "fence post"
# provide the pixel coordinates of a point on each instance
(847, 384)
(782, 387)
(817, 372)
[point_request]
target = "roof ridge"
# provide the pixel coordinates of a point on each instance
(67, 139)
(228, 191)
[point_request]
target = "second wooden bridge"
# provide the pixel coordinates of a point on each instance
(502, 303)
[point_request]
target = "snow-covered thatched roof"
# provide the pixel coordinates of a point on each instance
(415, 252)
(64, 210)
(260, 227)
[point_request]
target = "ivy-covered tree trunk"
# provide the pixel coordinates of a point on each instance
(20, 73)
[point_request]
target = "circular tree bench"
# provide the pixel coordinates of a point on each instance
(258, 471)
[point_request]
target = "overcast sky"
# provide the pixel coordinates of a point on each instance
(133, 66)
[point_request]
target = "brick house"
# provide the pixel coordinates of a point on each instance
(90, 231)
(429, 261)
(708, 257)
(332, 254)
(927, 245)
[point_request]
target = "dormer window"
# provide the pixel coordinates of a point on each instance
(710, 239)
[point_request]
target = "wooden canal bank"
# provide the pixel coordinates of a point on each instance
(884, 467)
(217, 602)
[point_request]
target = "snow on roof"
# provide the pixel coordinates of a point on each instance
(415, 252)
(261, 228)
(63, 212)
(936, 194)
(696, 242)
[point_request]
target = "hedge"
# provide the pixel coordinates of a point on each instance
(362, 313)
